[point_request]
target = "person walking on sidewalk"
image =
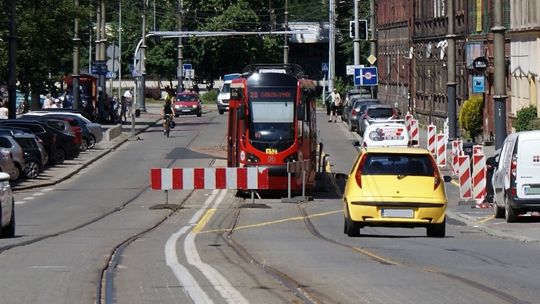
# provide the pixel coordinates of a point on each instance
(335, 103)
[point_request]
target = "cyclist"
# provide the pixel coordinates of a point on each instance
(167, 109)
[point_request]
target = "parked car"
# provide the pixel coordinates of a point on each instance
(68, 110)
(353, 111)
(373, 113)
(516, 179)
(17, 154)
(395, 187)
(59, 145)
(7, 164)
(7, 207)
(33, 152)
(187, 103)
(41, 130)
(95, 129)
(62, 124)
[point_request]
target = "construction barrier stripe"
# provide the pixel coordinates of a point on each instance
(432, 131)
(441, 150)
(250, 178)
(464, 177)
(479, 176)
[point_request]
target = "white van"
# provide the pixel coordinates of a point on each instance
(516, 179)
(225, 92)
(390, 133)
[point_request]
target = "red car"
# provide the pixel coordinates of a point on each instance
(187, 103)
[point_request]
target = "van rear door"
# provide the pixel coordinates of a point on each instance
(528, 167)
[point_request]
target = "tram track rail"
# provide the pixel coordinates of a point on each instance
(505, 297)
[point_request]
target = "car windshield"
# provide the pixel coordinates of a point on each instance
(226, 88)
(380, 112)
(186, 98)
(397, 164)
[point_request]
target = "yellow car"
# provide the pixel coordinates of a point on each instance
(395, 187)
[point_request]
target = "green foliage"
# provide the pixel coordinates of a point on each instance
(526, 119)
(470, 116)
(210, 96)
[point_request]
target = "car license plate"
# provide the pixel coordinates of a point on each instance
(407, 213)
(532, 190)
(185, 111)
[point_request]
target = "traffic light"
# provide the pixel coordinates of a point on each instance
(363, 33)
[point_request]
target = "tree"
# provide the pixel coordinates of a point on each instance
(470, 116)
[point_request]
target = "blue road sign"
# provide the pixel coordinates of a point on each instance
(478, 84)
(325, 66)
(187, 66)
(366, 76)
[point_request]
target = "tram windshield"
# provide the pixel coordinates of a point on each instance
(272, 123)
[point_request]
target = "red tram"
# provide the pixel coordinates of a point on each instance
(272, 121)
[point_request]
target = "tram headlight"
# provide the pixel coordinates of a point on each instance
(252, 158)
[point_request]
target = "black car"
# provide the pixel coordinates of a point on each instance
(33, 157)
(59, 145)
(352, 113)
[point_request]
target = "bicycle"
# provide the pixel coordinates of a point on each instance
(166, 125)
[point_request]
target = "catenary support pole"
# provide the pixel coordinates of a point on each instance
(451, 70)
(500, 74)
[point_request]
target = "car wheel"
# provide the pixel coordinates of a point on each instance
(498, 212)
(60, 156)
(31, 169)
(437, 230)
(16, 173)
(84, 145)
(509, 212)
(352, 228)
(221, 111)
(91, 142)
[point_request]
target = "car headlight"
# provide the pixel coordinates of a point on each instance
(194, 106)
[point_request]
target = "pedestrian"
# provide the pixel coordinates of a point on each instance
(128, 94)
(123, 110)
(4, 110)
(49, 102)
(335, 104)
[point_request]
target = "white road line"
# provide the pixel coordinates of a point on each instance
(47, 189)
(219, 282)
(20, 202)
(183, 275)
(29, 198)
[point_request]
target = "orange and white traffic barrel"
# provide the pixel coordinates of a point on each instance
(464, 177)
(431, 138)
(441, 150)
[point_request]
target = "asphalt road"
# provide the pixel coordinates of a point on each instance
(104, 234)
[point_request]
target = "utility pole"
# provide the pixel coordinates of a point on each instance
(12, 60)
(76, 56)
(451, 70)
(120, 93)
(285, 40)
(142, 62)
(180, 69)
(356, 41)
(500, 74)
(102, 47)
(373, 36)
(332, 45)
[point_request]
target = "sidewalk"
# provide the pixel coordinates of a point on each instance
(55, 174)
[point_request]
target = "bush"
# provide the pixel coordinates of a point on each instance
(470, 116)
(526, 119)
(210, 96)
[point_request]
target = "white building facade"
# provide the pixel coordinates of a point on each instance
(524, 34)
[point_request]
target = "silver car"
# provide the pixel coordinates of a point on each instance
(7, 207)
(17, 154)
(6, 161)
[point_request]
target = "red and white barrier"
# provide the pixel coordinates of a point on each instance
(479, 177)
(464, 177)
(248, 178)
(414, 135)
(441, 150)
(431, 139)
(408, 118)
(457, 149)
(478, 149)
